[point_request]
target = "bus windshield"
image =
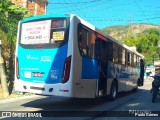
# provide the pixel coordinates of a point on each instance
(43, 32)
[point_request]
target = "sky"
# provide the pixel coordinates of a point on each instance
(104, 13)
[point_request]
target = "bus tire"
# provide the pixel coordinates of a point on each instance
(113, 91)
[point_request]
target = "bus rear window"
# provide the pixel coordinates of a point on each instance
(43, 32)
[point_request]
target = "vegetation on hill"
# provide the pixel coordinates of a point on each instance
(121, 32)
(145, 37)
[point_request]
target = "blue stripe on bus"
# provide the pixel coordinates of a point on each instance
(90, 69)
(56, 71)
(121, 71)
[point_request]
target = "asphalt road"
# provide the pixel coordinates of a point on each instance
(88, 109)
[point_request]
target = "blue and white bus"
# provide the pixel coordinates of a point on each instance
(63, 55)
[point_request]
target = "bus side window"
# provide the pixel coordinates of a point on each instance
(82, 38)
(138, 61)
(129, 58)
(132, 59)
(123, 56)
(119, 55)
(135, 60)
(115, 53)
(86, 40)
(92, 44)
(110, 52)
(126, 57)
(103, 51)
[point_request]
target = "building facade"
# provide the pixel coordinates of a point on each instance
(35, 7)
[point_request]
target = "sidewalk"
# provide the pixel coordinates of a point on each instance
(148, 80)
(13, 95)
(147, 83)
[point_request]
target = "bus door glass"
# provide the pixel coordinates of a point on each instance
(103, 65)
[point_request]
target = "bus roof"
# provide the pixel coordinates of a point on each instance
(45, 16)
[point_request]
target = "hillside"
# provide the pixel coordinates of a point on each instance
(120, 32)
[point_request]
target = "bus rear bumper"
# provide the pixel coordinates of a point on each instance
(58, 89)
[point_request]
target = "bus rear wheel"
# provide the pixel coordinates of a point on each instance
(113, 91)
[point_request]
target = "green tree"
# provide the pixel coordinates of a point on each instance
(147, 43)
(148, 40)
(130, 41)
(10, 15)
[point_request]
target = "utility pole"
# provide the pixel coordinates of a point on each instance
(3, 75)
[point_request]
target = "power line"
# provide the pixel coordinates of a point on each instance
(91, 1)
(98, 6)
(90, 5)
(104, 19)
(142, 12)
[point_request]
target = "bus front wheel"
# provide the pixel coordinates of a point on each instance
(113, 90)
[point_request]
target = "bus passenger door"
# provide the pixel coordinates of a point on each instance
(102, 49)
